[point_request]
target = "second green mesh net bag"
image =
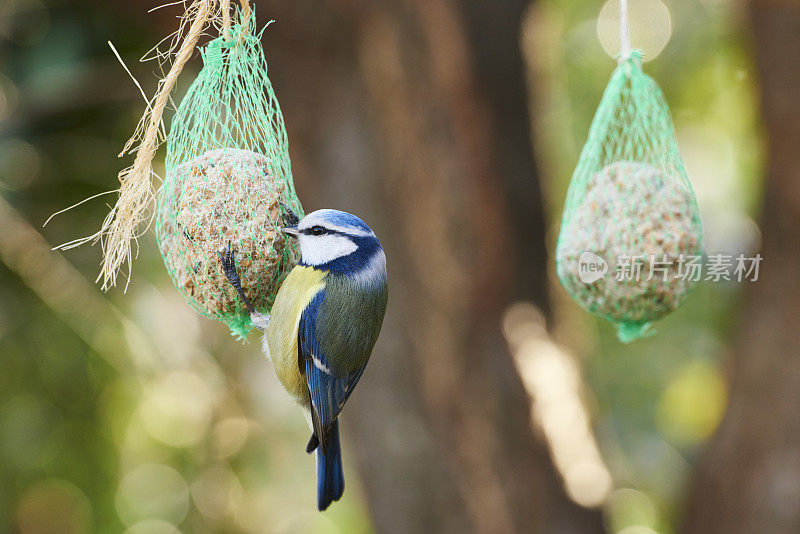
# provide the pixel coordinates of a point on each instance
(631, 223)
(228, 177)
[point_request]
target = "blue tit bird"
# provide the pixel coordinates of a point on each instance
(324, 323)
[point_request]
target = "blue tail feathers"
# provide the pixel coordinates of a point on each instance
(330, 476)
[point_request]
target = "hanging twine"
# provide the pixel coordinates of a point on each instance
(122, 226)
(624, 31)
(245, 16)
(226, 18)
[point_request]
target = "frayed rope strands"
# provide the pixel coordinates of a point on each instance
(122, 225)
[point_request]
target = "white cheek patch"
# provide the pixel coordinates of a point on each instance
(317, 250)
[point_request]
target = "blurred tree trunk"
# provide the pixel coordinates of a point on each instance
(749, 480)
(414, 115)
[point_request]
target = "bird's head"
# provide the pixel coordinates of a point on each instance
(328, 235)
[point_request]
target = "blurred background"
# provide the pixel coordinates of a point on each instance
(492, 402)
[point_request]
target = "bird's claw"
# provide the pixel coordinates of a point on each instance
(290, 216)
(228, 260)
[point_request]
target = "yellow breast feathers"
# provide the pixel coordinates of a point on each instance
(302, 284)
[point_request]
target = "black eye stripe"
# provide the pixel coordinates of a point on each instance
(322, 231)
(317, 230)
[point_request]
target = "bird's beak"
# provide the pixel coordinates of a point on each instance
(291, 230)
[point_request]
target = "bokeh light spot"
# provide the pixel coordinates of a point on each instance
(20, 164)
(230, 435)
(54, 506)
(637, 529)
(693, 403)
(153, 526)
(24, 22)
(628, 507)
(649, 22)
(9, 98)
(152, 491)
(551, 376)
(306, 522)
(31, 432)
(178, 409)
(216, 492)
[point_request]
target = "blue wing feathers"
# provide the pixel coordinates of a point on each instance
(328, 394)
(328, 386)
(337, 331)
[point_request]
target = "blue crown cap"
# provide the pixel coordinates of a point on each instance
(342, 218)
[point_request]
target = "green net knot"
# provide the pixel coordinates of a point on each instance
(634, 58)
(240, 325)
(631, 331)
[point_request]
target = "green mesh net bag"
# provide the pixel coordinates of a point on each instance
(631, 222)
(227, 176)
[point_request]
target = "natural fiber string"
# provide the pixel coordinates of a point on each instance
(121, 226)
(226, 18)
(624, 31)
(245, 17)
